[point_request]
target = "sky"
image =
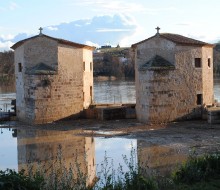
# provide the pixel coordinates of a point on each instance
(98, 22)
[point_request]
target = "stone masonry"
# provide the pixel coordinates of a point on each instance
(54, 78)
(173, 78)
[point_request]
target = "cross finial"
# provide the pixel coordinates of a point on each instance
(40, 30)
(158, 28)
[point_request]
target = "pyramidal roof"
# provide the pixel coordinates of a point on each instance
(178, 39)
(41, 69)
(157, 63)
(59, 40)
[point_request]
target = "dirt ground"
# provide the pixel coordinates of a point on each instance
(162, 146)
(196, 134)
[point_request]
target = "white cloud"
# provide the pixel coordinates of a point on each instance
(77, 25)
(52, 28)
(153, 11)
(13, 6)
(184, 24)
(127, 41)
(95, 31)
(113, 6)
(7, 37)
(89, 43)
(5, 45)
(112, 30)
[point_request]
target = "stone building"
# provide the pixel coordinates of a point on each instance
(173, 77)
(54, 78)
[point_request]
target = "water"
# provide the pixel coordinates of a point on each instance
(115, 91)
(217, 89)
(22, 148)
(39, 149)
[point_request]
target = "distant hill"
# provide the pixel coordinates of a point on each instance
(118, 62)
(7, 68)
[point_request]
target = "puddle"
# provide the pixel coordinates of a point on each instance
(22, 149)
(107, 133)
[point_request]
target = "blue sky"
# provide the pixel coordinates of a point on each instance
(137, 19)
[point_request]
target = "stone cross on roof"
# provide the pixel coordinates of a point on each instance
(158, 28)
(40, 30)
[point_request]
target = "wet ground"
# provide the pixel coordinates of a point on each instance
(159, 147)
(196, 134)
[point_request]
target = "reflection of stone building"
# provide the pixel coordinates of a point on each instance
(46, 147)
(161, 159)
(173, 77)
(54, 78)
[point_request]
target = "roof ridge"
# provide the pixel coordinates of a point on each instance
(59, 40)
(178, 39)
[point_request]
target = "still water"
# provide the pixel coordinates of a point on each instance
(41, 148)
(115, 91)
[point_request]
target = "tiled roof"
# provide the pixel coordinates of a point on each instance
(60, 41)
(157, 63)
(178, 39)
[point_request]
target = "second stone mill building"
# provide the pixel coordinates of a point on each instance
(173, 78)
(54, 78)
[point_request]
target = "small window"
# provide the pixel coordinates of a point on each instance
(90, 66)
(199, 99)
(84, 65)
(19, 67)
(198, 62)
(90, 90)
(209, 62)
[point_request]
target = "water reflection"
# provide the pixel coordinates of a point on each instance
(159, 160)
(8, 150)
(56, 152)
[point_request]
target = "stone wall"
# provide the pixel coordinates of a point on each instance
(167, 95)
(20, 102)
(49, 97)
(88, 77)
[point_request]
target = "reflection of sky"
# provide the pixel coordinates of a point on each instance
(114, 148)
(8, 150)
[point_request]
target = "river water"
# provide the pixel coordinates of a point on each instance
(21, 148)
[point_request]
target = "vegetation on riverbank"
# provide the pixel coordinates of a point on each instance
(7, 68)
(197, 173)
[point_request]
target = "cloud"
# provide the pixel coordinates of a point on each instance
(184, 24)
(95, 31)
(6, 37)
(113, 6)
(52, 28)
(112, 30)
(89, 43)
(5, 45)
(13, 6)
(153, 11)
(98, 30)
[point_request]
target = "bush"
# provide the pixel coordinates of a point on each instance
(11, 180)
(198, 169)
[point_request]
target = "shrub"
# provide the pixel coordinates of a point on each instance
(197, 169)
(12, 180)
